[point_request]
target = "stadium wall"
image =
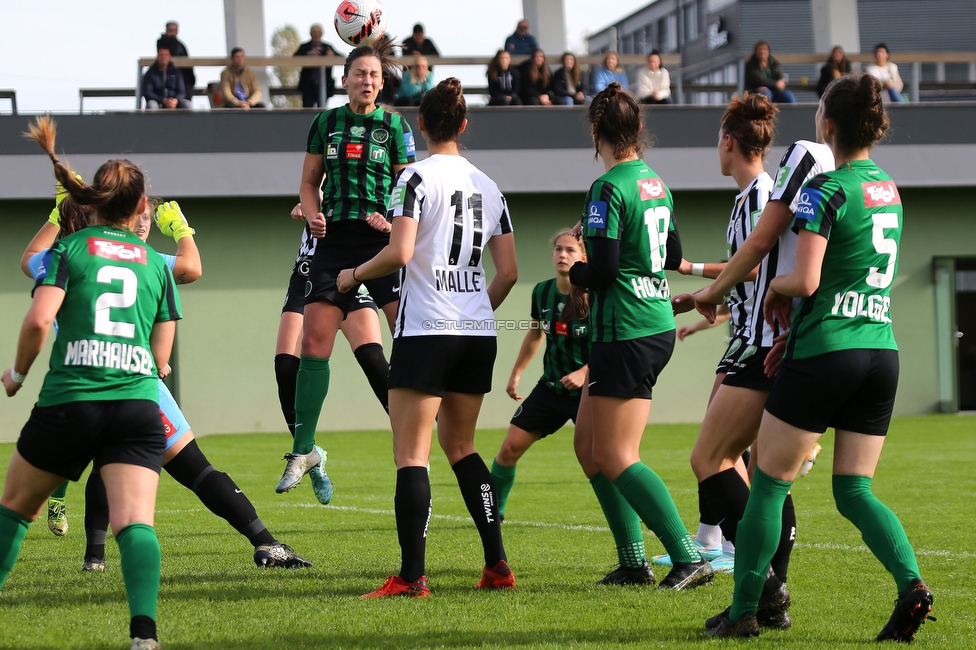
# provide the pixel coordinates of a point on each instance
(226, 342)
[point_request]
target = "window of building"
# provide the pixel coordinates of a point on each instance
(691, 21)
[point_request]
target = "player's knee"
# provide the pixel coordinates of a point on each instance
(848, 496)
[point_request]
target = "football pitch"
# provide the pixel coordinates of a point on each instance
(212, 595)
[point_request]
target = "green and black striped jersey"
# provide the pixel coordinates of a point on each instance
(116, 288)
(359, 152)
(567, 343)
(858, 210)
(632, 204)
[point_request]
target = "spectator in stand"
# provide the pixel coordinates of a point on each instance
(309, 79)
(567, 82)
(837, 66)
(504, 81)
(887, 74)
(608, 72)
(176, 48)
(536, 80)
(419, 43)
(162, 85)
(653, 84)
(416, 82)
(238, 84)
(521, 42)
(764, 76)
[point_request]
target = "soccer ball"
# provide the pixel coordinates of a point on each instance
(360, 22)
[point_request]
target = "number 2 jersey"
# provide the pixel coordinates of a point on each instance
(458, 208)
(116, 289)
(858, 210)
(631, 203)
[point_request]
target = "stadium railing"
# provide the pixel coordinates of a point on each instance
(910, 62)
(93, 93)
(12, 96)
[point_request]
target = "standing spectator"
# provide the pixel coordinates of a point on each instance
(521, 42)
(536, 79)
(887, 74)
(608, 72)
(764, 76)
(567, 82)
(504, 81)
(309, 79)
(653, 85)
(419, 43)
(416, 82)
(238, 84)
(837, 66)
(162, 85)
(176, 48)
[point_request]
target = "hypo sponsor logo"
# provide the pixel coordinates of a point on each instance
(880, 193)
(651, 188)
(117, 251)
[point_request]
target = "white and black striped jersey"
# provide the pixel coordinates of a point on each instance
(443, 288)
(745, 302)
(306, 251)
(802, 161)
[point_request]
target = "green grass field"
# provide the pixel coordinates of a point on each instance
(212, 595)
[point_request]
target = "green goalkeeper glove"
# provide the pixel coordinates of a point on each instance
(172, 223)
(55, 216)
(60, 193)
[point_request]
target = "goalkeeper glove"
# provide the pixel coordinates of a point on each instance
(171, 221)
(55, 216)
(60, 193)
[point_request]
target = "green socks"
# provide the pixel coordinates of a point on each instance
(756, 539)
(880, 528)
(13, 529)
(139, 551)
(311, 388)
(624, 522)
(649, 497)
(61, 491)
(504, 478)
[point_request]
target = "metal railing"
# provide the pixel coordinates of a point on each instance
(12, 96)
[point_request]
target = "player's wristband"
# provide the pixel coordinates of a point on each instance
(354, 279)
(55, 216)
(16, 376)
(698, 268)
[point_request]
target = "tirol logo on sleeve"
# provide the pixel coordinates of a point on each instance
(806, 208)
(117, 251)
(596, 215)
(880, 193)
(396, 196)
(409, 144)
(781, 176)
(354, 151)
(650, 189)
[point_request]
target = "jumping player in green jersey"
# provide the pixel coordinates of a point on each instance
(840, 356)
(353, 155)
(630, 240)
(116, 305)
(555, 398)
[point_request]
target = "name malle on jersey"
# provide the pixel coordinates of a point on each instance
(457, 280)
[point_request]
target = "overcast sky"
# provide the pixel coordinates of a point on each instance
(51, 49)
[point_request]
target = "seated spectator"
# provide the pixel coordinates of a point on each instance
(536, 79)
(521, 42)
(763, 75)
(887, 74)
(837, 66)
(653, 84)
(567, 82)
(162, 85)
(238, 84)
(419, 43)
(504, 81)
(416, 82)
(309, 79)
(176, 48)
(609, 71)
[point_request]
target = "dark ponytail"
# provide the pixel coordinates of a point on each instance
(616, 120)
(750, 122)
(444, 110)
(853, 102)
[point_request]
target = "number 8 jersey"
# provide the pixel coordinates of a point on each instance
(631, 203)
(443, 288)
(116, 289)
(858, 210)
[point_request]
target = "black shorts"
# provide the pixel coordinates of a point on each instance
(629, 368)
(443, 364)
(346, 245)
(545, 411)
(743, 365)
(64, 438)
(295, 298)
(851, 390)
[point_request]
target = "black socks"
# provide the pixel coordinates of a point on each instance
(286, 374)
(478, 491)
(377, 370)
(412, 505)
